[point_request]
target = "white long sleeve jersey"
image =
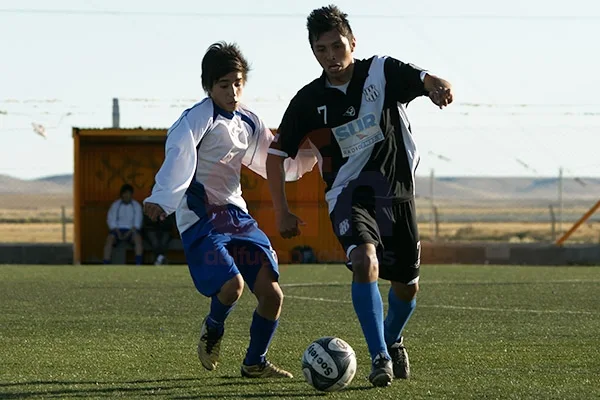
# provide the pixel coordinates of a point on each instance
(205, 150)
(124, 215)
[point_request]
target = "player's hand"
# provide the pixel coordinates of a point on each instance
(440, 91)
(119, 234)
(128, 234)
(289, 225)
(442, 95)
(154, 212)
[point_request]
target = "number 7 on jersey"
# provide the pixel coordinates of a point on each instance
(324, 109)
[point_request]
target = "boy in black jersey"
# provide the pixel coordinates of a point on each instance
(354, 118)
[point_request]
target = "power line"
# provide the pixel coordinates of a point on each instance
(284, 15)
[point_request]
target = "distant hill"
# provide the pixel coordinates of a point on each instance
(492, 188)
(445, 188)
(62, 180)
(52, 184)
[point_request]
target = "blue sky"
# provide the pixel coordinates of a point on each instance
(525, 74)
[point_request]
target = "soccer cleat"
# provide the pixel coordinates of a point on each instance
(381, 371)
(400, 360)
(209, 346)
(264, 370)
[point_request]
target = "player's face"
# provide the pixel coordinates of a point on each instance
(335, 54)
(126, 197)
(227, 91)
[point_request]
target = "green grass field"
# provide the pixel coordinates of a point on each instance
(479, 332)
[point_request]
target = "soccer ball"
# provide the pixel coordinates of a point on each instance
(329, 364)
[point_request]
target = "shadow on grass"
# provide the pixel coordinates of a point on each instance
(173, 388)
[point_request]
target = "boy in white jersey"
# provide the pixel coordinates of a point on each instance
(124, 222)
(200, 179)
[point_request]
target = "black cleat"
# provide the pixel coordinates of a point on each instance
(399, 360)
(381, 371)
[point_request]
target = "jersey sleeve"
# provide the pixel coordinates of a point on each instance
(403, 81)
(259, 147)
(291, 132)
(111, 218)
(179, 167)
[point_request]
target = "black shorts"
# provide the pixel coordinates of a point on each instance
(391, 228)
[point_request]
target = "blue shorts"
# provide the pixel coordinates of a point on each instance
(123, 231)
(224, 243)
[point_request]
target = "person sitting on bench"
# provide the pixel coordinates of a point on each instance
(124, 223)
(159, 235)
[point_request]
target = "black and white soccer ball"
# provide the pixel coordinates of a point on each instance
(329, 364)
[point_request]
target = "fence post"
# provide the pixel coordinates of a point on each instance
(553, 222)
(64, 224)
(436, 219)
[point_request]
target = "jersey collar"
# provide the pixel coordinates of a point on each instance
(225, 114)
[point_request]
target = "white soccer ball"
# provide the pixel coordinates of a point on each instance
(329, 364)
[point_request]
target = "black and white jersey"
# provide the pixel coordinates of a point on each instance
(362, 136)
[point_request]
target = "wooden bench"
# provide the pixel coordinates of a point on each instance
(123, 252)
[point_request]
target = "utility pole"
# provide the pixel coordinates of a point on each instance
(116, 116)
(560, 200)
(432, 206)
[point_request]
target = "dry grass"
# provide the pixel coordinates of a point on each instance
(34, 233)
(508, 231)
(37, 217)
(33, 202)
(20, 208)
(496, 231)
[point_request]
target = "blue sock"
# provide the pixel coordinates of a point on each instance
(262, 331)
(218, 314)
(138, 260)
(399, 312)
(369, 310)
(105, 262)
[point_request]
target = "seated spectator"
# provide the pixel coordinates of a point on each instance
(124, 223)
(159, 234)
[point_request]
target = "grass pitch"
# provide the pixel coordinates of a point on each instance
(479, 332)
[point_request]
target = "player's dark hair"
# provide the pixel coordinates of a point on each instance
(126, 188)
(221, 59)
(325, 19)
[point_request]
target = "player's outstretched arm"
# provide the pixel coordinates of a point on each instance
(440, 90)
(258, 148)
(176, 173)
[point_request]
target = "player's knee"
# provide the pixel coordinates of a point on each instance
(232, 290)
(271, 295)
(405, 292)
(365, 264)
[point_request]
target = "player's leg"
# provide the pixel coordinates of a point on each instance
(138, 246)
(357, 230)
(163, 246)
(402, 300)
(401, 267)
(264, 324)
(153, 237)
(215, 275)
(257, 263)
(368, 306)
(110, 242)
(401, 305)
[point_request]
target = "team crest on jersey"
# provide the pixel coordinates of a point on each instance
(358, 134)
(344, 226)
(371, 93)
(350, 112)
